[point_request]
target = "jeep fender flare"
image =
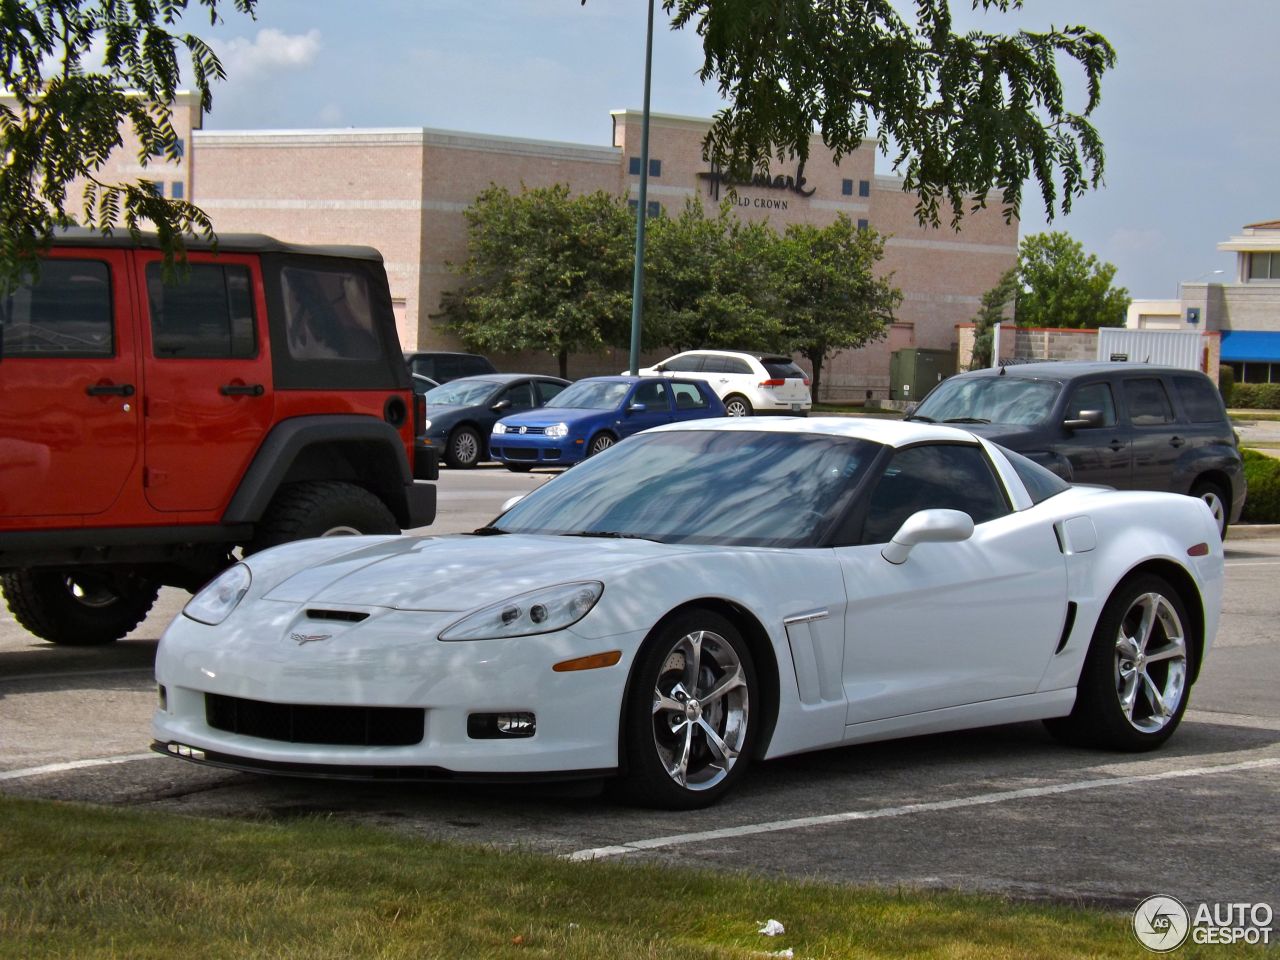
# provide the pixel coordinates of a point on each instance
(359, 449)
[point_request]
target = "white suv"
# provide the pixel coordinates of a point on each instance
(747, 382)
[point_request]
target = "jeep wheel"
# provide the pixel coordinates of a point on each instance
(321, 508)
(80, 608)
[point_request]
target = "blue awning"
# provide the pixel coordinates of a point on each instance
(1260, 346)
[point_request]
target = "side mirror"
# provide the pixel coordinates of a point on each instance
(637, 408)
(659, 368)
(909, 409)
(511, 502)
(927, 526)
(500, 406)
(1088, 418)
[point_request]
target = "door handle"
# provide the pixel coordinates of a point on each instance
(1176, 442)
(241, 390)
(1116, 446)
(110, 390)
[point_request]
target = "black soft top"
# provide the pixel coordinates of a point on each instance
(227, 243)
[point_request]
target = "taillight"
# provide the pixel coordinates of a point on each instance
(772, 383)
(419, 413)
(806, 381)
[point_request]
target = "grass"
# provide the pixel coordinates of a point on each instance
(88, 882)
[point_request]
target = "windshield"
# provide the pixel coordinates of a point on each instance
(461, 393)
(592, 395)
(740, 488)
(990, 400)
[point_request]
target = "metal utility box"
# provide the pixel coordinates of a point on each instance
(914, 371)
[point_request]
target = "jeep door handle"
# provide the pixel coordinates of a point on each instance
(1176, 442)
(110, 390)
(241, 390)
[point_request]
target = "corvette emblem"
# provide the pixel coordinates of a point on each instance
(301, 638)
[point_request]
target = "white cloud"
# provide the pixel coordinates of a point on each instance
(269, 51)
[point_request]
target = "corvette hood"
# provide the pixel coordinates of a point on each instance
(458, 573)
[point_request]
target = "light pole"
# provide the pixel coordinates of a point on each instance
(637, 278)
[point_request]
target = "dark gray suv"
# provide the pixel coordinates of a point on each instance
(1127, 425)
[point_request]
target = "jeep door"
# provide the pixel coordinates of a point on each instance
(68, 385)
(207, 377)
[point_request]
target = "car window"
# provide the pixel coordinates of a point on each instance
(737, 365)
(1041, 484)
(715, 364)
(689, 363)
(652, 394)
(742, 488)
(932, 476)
(998, 399)
(1093, 396)
(688, 397)
(461, 393)
(519, 396)
(65, 312)
(1200, 398)
(593, 395)
(781, 369)
(329, 315)
(204, 312)
(548, 390)
(1147, 401)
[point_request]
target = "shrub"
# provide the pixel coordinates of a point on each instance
(1226, 383)
(1256, 396)
(1262, 474)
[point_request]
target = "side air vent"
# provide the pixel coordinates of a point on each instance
(1066, 627)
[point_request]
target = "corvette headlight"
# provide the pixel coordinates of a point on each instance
(539, 611)
(499, 427)
(557, 430)
(215, 602)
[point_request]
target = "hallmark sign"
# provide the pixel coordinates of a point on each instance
(716, 178)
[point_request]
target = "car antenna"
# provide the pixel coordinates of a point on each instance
(1003, 368)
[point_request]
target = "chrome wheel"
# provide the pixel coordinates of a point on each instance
(599, 444)
(737, 406)
(1216, 502)
(701, 710)
(464, 448)
(1150, 663)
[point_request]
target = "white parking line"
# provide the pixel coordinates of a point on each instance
(774, 826)
(74, 765)
(1251, 563)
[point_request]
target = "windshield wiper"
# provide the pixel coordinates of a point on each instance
(921, 417)
(487, 531)
(966, 420)
(606, 534)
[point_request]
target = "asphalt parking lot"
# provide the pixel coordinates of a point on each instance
(1004, 810)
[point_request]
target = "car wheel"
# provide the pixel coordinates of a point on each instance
(1218, 501)
(321, 508)
(1135, 682)
(463, 451)
(599, 443)
(736, 405)
(78, 608)
(688, 727)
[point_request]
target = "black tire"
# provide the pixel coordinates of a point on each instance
(79, 608)
(1218, 501)
(600, 443)
(519, 467)
(651, 736)
(736, 405)
(1100, 717)
(465, 448)
(321, 508)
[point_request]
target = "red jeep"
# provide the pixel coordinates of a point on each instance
(152, 425)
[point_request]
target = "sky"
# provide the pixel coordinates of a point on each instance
(1189, 116)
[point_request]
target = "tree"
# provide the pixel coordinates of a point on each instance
(1062, 286)
(544, 271)
(831, 299)
(995, 306)
(708, 282)
(68, 114)
(962, 114)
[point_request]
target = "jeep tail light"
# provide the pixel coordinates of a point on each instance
(419, 414)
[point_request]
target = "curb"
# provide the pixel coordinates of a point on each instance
(1253, 531)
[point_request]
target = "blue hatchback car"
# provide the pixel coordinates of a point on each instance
(594, 414)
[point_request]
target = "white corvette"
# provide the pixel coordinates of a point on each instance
(699, 597)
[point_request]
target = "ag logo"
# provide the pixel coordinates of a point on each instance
(1161, 923)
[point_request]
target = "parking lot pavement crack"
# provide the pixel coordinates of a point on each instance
(1002, 796)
